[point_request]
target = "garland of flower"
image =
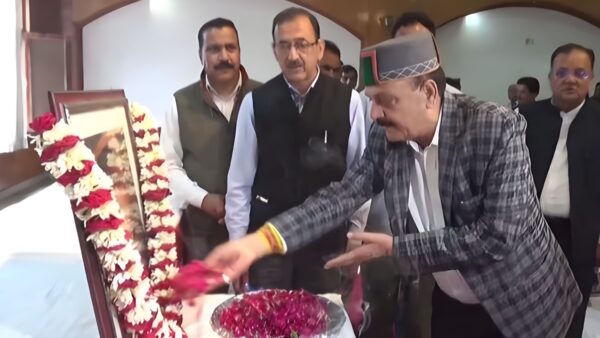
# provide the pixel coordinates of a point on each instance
(119, 169)
(161, 223)
(73, 165)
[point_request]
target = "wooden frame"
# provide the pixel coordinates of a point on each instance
(59, 99)
(82, 110)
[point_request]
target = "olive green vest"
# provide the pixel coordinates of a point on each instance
(207, 142)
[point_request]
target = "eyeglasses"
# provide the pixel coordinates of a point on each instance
(579, 73)
(285, 47)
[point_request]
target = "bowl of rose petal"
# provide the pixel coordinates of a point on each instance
(277, 314)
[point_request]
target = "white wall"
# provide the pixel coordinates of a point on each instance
(492, 54)
(8, 67)
(150, 47)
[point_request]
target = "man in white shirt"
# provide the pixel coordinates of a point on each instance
(417, 307)
(198, 137)
(296, 133)
(528, 88)
(564, 147)
(349, 76)
(461, 169)
(331, 62)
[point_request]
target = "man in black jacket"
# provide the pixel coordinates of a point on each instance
(564, 146)
(296, 133)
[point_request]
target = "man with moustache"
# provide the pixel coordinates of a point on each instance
(296, 133)
(349, 76)
(413, 296)
(407, 23)
(331, 62)
(198, 137)
(564, 147)
(461, 201)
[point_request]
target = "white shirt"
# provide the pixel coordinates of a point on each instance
(452, 90)
(555, 200)
(367, 104)
(425, 207)
(224, 103)
(185, 191)
(244, 161)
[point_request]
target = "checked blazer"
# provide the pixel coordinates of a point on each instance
(495, 233)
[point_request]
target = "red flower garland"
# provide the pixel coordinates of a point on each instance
(91, 197)
(163, 262)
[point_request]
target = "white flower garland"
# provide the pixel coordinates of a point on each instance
(161, 224)
(135, 295)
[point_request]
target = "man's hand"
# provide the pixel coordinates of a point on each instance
(351, 270)
(214, 206)
(235, 257)
(239, 285)
(374, 245)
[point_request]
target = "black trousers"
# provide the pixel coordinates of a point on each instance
(561, 228)
(201, 235)
(453, 319)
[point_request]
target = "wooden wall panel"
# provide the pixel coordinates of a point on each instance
(44, 16)
(18, 167)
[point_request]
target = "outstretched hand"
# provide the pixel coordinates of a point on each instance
(374, 245)
(235, 257)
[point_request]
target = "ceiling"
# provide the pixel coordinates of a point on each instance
(364, 17)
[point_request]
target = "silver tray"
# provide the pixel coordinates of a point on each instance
(336, 318)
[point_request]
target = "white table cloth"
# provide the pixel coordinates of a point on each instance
(196, 317)
(591, 326)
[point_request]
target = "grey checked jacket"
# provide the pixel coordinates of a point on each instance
(495, 234)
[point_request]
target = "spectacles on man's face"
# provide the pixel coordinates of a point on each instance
(579, 73)
(301, 46)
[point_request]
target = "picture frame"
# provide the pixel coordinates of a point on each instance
(101, 119)
(58, 99)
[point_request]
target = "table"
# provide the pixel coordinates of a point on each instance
(591, 326)
(196, 316)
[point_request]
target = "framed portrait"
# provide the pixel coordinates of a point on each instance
(101, 120)
(58, 99)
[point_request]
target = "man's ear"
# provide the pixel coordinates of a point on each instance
(431, 91)
(321, 48)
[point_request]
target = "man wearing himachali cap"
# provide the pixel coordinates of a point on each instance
(461, 202)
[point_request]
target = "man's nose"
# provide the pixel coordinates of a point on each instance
(223, 55)
(376, 112)
(293, 54)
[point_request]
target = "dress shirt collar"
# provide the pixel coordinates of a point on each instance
(232, 95)
(436, 136)
(572, 114)
(312, 85)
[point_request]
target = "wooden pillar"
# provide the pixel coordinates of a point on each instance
(72, 32)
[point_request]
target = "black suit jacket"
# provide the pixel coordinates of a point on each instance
(583, 146)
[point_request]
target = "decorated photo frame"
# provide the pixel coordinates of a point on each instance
(107, 156)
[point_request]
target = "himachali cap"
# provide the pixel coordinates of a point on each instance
(400, 58)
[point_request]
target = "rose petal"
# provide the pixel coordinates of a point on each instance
(43, 123)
